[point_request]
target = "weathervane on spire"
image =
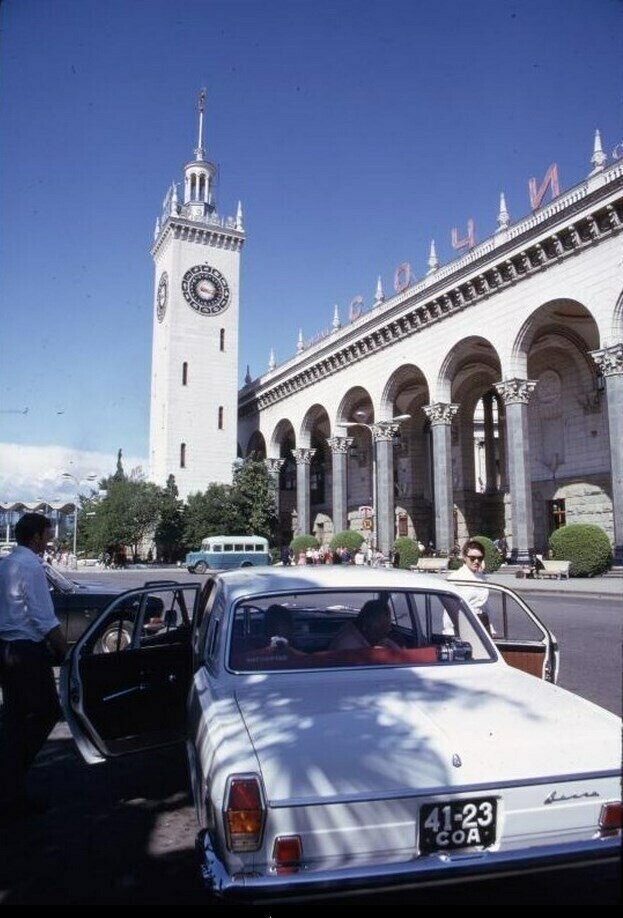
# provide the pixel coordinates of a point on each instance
(199, 152)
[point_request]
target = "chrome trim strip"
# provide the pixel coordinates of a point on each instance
(441, 791)
(253, 887)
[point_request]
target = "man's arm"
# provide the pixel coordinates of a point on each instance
(58, 644)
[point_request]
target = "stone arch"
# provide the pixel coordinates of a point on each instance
(566, 317)
(616, 331)
(256, 444)
(356, 405)
(467, 379)
(567, 418)
(405, 392)
(284, 431)
(315, 431)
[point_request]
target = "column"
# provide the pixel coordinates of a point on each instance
(273, 467)
(502, 446)
(303, 457)
(339, 499)
(610, 362)
(383, 433)
(490, 470)
(440, 415)
(516, 394)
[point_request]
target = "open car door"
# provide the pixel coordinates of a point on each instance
(124, 685)
(517, 632)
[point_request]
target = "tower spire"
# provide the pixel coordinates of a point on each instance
(199, 151)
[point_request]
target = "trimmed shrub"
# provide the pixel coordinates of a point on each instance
(493, 559)
(408, 551)
(587, 547)
(302, 543)
(454, 563)
(348, 539)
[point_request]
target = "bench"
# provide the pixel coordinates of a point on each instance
(557, 569)
(431, 565)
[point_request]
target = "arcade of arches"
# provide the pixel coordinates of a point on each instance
(472, 451)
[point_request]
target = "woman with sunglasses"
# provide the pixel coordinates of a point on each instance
(474, 569)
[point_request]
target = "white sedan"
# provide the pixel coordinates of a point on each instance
(352, 729)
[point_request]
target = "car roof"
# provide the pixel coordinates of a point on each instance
(252, 580)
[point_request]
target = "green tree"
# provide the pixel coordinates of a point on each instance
(127, 514)
(254, 500)
(208, 513)
(169, 535)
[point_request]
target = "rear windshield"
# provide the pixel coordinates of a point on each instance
(342, 629)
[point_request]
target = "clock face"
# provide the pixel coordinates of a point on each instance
(205, 290)
(162, 296)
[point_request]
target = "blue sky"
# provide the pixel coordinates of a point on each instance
(352, 132)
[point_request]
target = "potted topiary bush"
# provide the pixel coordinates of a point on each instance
(407, 550)
(493, 559)
(587, 547)
(348, 539)
(302, 543)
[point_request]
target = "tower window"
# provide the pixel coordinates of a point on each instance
(182, 455)
(220, 417)
(222, 340)
(185, 373)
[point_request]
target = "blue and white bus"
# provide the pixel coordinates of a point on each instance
(222, 552)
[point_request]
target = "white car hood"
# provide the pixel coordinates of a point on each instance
(360, 735)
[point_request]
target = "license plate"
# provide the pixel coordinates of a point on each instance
(448, 825)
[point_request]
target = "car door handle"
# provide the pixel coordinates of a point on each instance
(141, 687)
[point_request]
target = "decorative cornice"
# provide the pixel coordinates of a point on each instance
(215, 231)
(490, 267)
(440, 413)
(303, 455)
(516, 391)
(609, 360)
(340, 445)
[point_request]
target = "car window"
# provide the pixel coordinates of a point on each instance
(356, 628)
(143, 619)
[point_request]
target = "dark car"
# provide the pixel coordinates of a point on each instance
(77, 605)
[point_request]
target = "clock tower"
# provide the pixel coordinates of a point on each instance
(194, 377)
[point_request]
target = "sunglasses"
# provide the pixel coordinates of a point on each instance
(475, 557)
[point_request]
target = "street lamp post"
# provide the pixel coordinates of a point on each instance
(372, 427)
(77, 483)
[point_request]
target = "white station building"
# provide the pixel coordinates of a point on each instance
(516, 346)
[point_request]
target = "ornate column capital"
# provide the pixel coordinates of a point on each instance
(440, 413)
(384, 431)
(274, 465)
(303, 455)
(609, 360)
(516, 391)
(340, 445)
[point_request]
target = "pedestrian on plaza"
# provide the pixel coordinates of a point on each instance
(285, 555)
(31, 643)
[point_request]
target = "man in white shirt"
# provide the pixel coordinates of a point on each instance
(31, 643)
(473, 569)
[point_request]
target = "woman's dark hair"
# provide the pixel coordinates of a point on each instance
(474, 543)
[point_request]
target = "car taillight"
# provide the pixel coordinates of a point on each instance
(287, 853)
(610, 819)
(244, 814)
